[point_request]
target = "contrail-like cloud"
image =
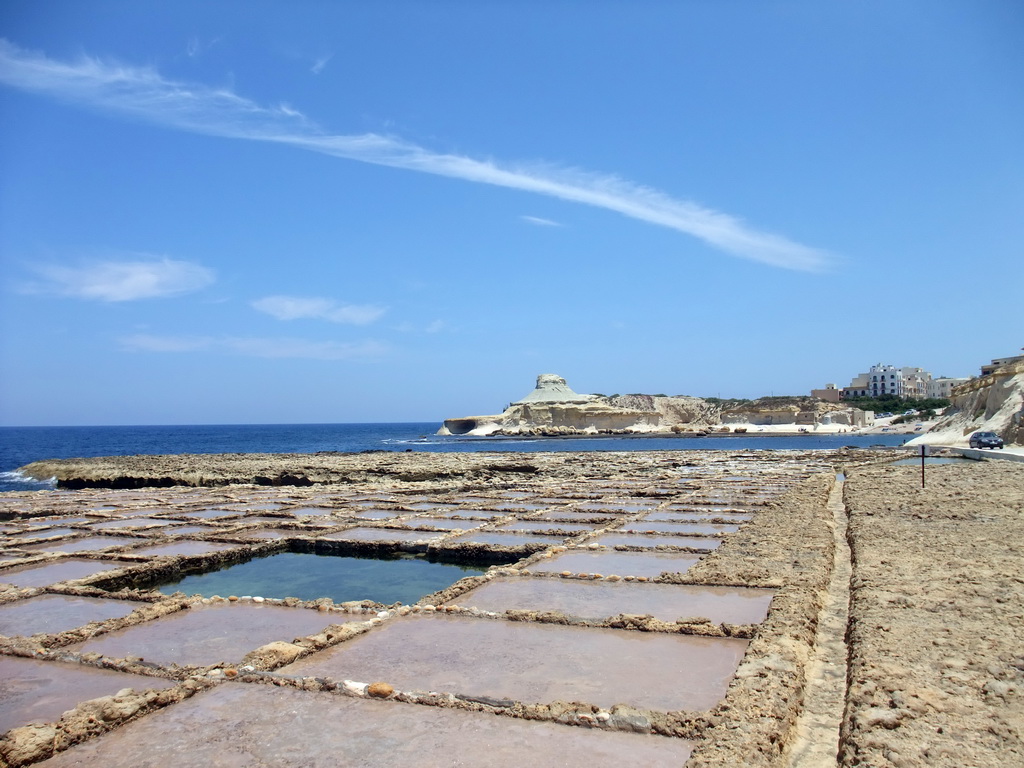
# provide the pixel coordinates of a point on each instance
(144, 94)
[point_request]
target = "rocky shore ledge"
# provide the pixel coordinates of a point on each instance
(387, 469)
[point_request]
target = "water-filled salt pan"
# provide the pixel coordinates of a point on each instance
(131, 522)
(45, 522)
(679, 515)
(541, 525)
(535, 663)
(642, 526)
(46, 533)
(483, 513)
(271, 533)
(614, 562)
(382, 534)
(210, 514)
(310, 576)
(59, 613)
(599, 600)
(379, 514)
(619, 506)
(183, 548)
(54, 572)
(33, 691)
(259, 725)
(89, 544)
(447, 524)
(207, 634)
(499, 539)
(650, 542)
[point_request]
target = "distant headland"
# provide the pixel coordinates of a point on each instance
(552, 408)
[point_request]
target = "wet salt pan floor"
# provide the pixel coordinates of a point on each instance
(207, 634)
(257, 725)
(59, 613)
(536, 663)
(644, 564)
(599, 600)
(40, 691)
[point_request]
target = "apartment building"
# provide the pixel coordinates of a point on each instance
(943, 386)
(889, 380)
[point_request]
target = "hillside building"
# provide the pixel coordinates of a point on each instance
(889, 380)
(943, 386)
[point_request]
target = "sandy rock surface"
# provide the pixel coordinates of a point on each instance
(937, 617)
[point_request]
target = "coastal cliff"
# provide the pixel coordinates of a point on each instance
(796, 411)
(994, 403)
(553, 408)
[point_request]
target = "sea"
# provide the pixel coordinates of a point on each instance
(22, 445)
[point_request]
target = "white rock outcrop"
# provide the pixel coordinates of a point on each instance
(553, 408)
(993, 403)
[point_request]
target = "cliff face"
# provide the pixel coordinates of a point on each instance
(993, 403)
(553, 408)
(793, 410)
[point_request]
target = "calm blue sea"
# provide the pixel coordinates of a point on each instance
(22, 445)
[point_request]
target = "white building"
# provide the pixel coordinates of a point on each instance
(889, 380)
(943, 386)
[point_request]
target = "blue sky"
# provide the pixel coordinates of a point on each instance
(336, 211)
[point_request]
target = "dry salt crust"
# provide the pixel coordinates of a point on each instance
(653, 653)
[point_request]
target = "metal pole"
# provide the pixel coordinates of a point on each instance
(922, 466)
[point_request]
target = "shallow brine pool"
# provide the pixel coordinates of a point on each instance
(307, 576)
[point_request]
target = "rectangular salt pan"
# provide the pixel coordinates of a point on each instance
(207, 634)
(506, 539)
(33, 691)
(229, 725)
(88, 544)
(379, 514)
(382, 534)
(210, 514)
(599, 600)
(682, 516)
(183, 548)
(55, 572)
(541, 525)
(489, 514)
(269, 533)
(44, 522)
(59, 613)
(134, 522)
(643, 526)
(443, 523)
(536, 663)
(616, 563)
(650, 542)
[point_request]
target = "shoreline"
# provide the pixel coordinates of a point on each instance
(674, 435)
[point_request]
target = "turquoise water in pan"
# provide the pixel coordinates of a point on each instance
(404, 579)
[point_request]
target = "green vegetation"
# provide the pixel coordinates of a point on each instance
(728, 402)
(894, 404)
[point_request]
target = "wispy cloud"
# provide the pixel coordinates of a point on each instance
(111, 281)
(540, 222)
(143, 93)
(196, 46)
(272, 347)
(435, 326)
(320, 63)
(302, 308)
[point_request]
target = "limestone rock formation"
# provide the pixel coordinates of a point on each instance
(993, 403)
(798, 411)
(553, 408)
